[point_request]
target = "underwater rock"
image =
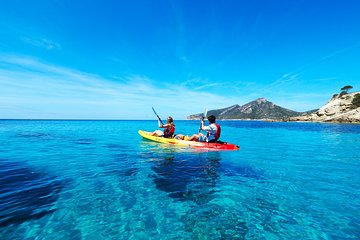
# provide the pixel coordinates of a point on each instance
(25, 194)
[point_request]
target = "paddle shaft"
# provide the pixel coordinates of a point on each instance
(202, 119)
(157, 116)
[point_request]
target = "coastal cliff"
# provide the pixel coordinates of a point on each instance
(342, 108)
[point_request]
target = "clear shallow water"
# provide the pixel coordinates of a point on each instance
(86, 180)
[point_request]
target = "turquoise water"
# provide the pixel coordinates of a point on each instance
(101, 180)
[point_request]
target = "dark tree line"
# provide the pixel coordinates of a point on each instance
(345, 89)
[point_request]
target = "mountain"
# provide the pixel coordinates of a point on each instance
(340, 108)
(258, 109)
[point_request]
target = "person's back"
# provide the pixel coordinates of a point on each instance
(213, 130)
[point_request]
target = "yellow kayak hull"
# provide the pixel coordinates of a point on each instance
(193, 144)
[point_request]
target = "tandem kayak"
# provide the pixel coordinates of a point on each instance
(193, 144)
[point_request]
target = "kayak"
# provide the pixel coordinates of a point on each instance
(194, 144)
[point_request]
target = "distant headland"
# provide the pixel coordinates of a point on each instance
(341, 108)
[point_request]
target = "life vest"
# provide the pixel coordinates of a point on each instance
(169, 132)
(217, 133)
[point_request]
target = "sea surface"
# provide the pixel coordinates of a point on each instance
(64, 179)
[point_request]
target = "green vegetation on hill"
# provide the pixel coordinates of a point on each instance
(356, 101)
(346, 88)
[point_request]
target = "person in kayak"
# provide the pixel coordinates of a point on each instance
(213, 132)
(169, 128)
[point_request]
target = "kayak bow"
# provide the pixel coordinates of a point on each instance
(193, 144)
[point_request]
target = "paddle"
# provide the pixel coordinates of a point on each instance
(202, 118)
(157, 116)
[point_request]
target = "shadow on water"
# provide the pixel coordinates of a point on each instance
(195, 176)
(187, 176)
(25, 194)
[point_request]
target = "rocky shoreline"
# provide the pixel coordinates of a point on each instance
(339, 109)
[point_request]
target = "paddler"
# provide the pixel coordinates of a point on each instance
(169, 128)
(213, 132)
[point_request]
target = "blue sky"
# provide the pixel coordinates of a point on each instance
(116, 59)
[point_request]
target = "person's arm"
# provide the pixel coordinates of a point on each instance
(165, 125)
(160, 124)
(202, 124)
(206, 128)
